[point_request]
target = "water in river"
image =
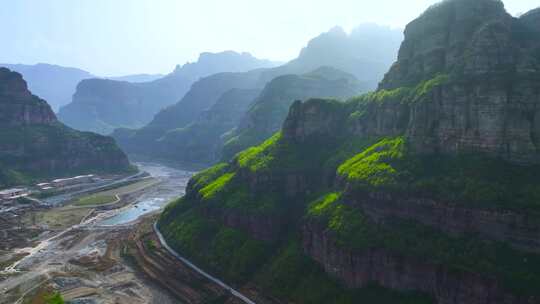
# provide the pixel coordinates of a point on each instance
(173, 184)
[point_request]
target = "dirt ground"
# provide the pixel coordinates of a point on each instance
(83, 265)
(50, 250)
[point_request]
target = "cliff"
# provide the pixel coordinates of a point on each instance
(426, 188)
(269, 110)
(34, 144)
(326, 67)
(56, 84)
(487, 66)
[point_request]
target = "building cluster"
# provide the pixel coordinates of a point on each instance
(66, 182)
(12, 194)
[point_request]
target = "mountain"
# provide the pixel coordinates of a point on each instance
(201, 141)
(138, 77)
(102, 105)
(269, 111)
(202, 95)
(55, 84)
(367, 53)
(33, 144)
(424, 191)
(227, 61)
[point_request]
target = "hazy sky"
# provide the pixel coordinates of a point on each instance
(115, 37)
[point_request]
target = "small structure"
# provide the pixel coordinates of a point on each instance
(44, 186)
(64, 182)
(14, 193)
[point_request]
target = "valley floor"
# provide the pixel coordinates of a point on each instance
(87, 259)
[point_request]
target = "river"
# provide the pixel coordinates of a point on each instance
(58, 255)
(172, 185)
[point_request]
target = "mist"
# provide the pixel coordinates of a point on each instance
(114, 38)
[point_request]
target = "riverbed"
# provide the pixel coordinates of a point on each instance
(172, 184)
(88, 255)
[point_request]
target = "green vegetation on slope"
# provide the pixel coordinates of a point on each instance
(227, 252)
(55, 298)
(281, 270)
(270, 109)
(259, 157)
(404, 95)
(374, 165)
(94, 200)
(49, 151)
(352, 229)
(471, 179)
(217, 186)
(292, 275)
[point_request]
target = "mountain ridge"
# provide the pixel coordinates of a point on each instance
(102, 105)
(35, 145)
(394, 188)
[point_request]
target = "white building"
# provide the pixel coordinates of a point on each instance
(11, 194)
(63, 182)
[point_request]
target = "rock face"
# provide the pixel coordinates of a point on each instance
(19, 106)
(56, 84)
(403, 273)
(265, 117)
(102, 105)
(34, 144)
(519, 229)
(490, 103)
(430, 181)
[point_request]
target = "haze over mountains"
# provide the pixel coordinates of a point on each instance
(424, 191)
(102, 105)
(57, 84)
(332, 49)
(376, 167)
(366, 53)
(35, 145)
(54, 83)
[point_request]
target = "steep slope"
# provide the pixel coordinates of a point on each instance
(102, 105)
(427, 188)
(370, 49)
(34, 144)
(366, 53)
(56, 84)
(268, 112)
(202, 95)
(201, 141)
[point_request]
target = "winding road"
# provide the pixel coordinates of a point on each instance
(198, 270)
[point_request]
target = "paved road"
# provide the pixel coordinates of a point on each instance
(200, 271)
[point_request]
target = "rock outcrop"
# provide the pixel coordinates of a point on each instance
(268, 112)
(398, 272)
(490, 101)
(56, 84)
(34, 144)
(18, 107)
